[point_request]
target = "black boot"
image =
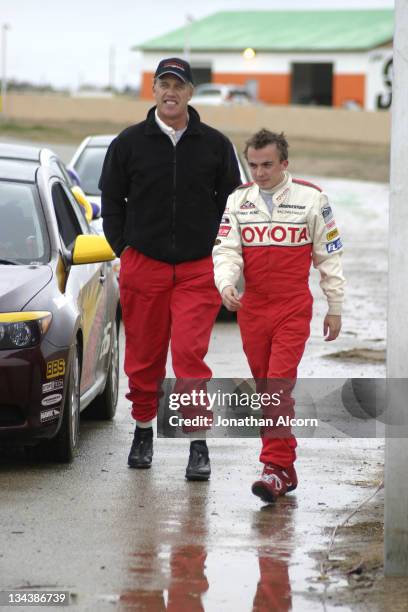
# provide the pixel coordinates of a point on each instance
(199, 467)
(141, 451)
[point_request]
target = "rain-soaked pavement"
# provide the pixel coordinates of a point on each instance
(148, 540)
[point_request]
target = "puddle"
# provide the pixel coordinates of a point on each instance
(359, 355)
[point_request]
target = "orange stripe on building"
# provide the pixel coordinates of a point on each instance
(348, 87)
(273, 88)
(147, 83)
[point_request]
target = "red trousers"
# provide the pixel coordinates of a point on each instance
(274, 334)
(164, 304)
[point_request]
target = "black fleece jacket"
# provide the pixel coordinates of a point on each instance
(167, 201)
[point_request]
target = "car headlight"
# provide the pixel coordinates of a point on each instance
(23, 329)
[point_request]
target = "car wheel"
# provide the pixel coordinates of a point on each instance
(103, 406)
(63, 446)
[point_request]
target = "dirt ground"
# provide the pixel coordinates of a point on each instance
(356, 560)
(359, 355)
(360, 162)
(319, 158)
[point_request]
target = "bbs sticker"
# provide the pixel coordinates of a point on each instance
(55, 368)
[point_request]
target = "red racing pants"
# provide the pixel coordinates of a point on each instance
(164, 304)
(274, 333)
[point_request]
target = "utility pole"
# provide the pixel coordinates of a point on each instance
(187, 37)
(4, 29)
(112, 66)
(396, 448)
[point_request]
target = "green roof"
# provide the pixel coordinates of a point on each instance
(343, 30)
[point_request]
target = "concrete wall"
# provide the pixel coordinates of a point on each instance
(297, 121)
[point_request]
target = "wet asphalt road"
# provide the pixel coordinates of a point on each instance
(127, 539)
(144, 540)
(148, 540)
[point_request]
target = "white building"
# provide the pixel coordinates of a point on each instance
(332, 58)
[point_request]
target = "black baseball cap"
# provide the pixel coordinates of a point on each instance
(176, 66)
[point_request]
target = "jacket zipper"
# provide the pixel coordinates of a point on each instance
(173, 225)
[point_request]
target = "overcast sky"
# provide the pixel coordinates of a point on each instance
(67, 42)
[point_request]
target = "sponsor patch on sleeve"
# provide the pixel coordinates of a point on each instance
(224, 230)
(225, 220)
(332, 247)
(327, 213)
(333, 234)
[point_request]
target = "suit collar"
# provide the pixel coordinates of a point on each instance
(193, 127)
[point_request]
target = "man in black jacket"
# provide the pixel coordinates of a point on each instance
(164, 183)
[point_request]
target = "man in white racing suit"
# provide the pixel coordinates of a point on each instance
(271, 231)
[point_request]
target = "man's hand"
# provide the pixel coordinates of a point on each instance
(331, 327)
(230, 298)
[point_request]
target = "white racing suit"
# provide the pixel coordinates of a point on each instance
(274, 252)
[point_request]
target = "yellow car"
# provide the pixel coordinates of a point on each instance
(59, 309)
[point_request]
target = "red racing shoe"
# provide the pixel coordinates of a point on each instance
(274, 482)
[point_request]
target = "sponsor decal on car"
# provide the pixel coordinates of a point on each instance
(331, 247)
(224, 230)
(331, 224)
(49, 415)
(327, 213)
(333, 234)
(50, 400)
(259, 234)
(55, 368)
(53, 386)
(247, 204)
(106, 340)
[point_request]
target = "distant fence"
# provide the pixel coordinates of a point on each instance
(302, 122)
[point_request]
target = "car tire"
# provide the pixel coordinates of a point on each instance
(62, 448)
(103, 407)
